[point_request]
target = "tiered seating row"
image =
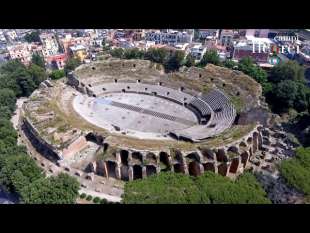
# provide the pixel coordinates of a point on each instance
(223, 117)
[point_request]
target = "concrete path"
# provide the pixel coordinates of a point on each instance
(100, 195)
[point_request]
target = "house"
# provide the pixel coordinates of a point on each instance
(197, 50)
(79, 52)
(245, 50)
(57, 61)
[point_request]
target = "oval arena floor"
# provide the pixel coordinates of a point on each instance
(144, 115)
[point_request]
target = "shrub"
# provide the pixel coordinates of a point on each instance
(103, 201)
(96, 200)
(83, 195)
(57, 74)
(89, 198)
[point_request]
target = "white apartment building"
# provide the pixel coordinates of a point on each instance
(50, 44)
(210, 34)
(169, 37)
(144, 45)
(197, 51)
(226, 37)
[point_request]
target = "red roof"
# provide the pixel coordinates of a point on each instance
(258, 57)
(57, 57)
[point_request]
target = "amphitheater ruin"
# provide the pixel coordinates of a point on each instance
(127, 119)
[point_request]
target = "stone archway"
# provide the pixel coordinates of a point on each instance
(244, 158)
(137, 172)
(150, 170)
(125, 173)
(243, 144)
(178, 168)
(164, 161)
(137, 156)
(222, 169)
(151, 157)
(221, 155)
(193, 156)
(209, 167)
(208, 153)
(234, 166)
(111, 167)
(194, 168)
(124, 157)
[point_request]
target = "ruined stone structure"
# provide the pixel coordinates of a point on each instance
(213, 143)
(230, 160)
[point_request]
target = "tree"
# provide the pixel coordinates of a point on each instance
(290, 70)
(174, 61)
(289, 94)
(217, 189)
(117, 52)
(296, 171)
(19, 171)
(164, 188)
(37, 73)
(7, 99)
(230, 64)
(157, 55)
(285, 94)
(71, 64)
(210, 56)
(33, 37)
(171, 187)
(247, 66)
(38, 60)
(62, 189)
(21, 79)
(189, 60)
(133, 53)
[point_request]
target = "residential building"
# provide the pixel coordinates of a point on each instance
(57, 61)
(226, 37)
(49, 43)
(197, 50)
(144, 45)
(67, 41)
(209, 34)
(79, 52)
(170, 37)
(23, 51)
(243, 50)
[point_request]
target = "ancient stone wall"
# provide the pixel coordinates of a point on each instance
(38, 142)
(230, 160)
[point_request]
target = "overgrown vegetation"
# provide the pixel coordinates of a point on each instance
(33, 37)
(296, 171)
(175, 188)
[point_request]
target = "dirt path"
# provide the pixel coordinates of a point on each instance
(15, 117)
